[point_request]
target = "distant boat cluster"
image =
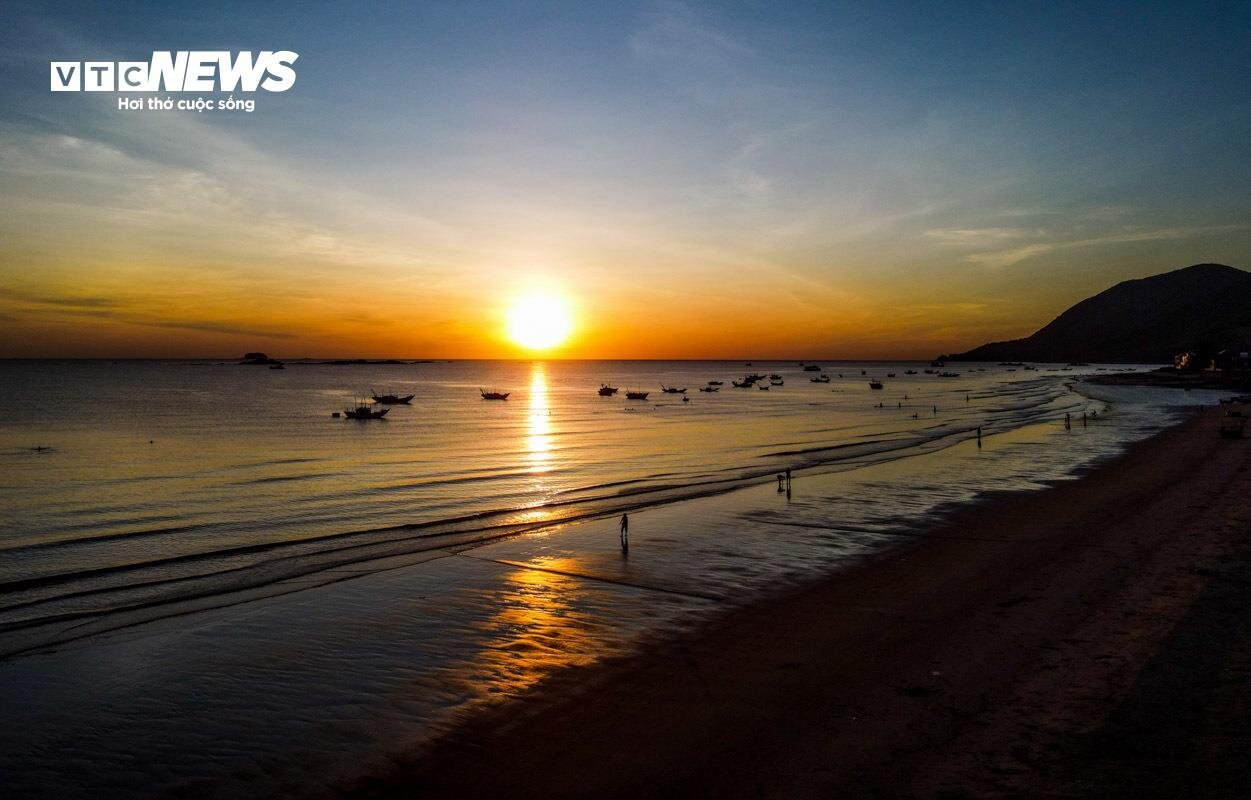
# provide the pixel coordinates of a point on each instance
(365, 408)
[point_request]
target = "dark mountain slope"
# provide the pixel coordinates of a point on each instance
(1141, 321)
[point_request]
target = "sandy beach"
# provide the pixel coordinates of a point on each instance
(1087, 640)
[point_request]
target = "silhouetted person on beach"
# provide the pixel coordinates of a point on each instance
(1068, 423)
(625, 533)
(781, 488)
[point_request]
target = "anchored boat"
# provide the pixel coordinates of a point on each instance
(393, 399)
(364, 410)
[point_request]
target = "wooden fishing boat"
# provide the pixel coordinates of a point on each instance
(365, 411)
(393, 399)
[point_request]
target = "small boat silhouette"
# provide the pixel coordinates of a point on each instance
(716, 383)
(875, 384)
(636, 395)
(710, 388)
(493, 395)
(671, 389)
(393, 399)
(607, 391)
(820, 379)
(365, 411)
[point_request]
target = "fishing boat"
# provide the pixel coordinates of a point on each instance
(493, 395)
(393, 399)
(890, 374)
(364, 410)
(607, 391)
(716, 383)
(910, 372)
(811, 368)
(710, 388)
(743, 384)
(671, 389)
(875, 384)
(775, 381)
(949, 374)
(764, 387)
(636, 395)
(820, 379)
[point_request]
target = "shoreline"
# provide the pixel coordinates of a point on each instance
(1018, 655)
(1169, 378)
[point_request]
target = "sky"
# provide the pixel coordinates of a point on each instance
(694, 180)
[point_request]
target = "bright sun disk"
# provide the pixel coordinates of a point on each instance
(539, 320)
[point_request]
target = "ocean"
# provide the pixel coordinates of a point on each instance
(222, 580)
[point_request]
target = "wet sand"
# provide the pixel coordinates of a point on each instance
(1088, 640)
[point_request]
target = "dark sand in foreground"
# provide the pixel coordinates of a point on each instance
(1089, 640)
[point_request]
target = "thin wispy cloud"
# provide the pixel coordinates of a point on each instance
(997, 259)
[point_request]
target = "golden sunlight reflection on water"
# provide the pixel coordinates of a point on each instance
(538, 428)
(537, 630)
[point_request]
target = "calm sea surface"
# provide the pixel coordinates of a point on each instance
(456, 551)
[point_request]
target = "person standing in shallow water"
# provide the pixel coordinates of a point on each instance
(625, 533)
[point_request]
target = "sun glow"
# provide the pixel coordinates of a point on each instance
(539, 320)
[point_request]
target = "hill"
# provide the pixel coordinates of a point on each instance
(1145, 321)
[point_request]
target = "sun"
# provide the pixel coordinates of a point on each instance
(539, 320)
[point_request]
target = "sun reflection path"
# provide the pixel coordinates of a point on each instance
(538, 432)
